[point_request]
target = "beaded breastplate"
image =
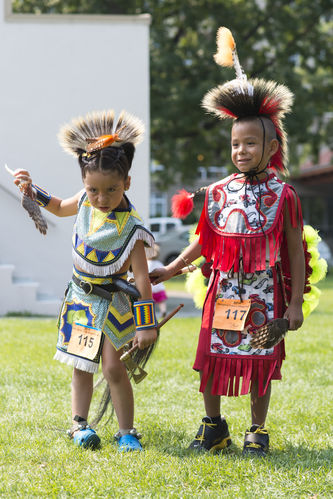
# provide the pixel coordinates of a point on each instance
(244, 221)
(102, 242)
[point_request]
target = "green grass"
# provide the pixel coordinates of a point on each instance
(37, 459)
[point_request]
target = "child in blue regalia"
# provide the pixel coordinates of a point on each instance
(97, 318)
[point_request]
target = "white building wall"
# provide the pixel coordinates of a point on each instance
(54, 68)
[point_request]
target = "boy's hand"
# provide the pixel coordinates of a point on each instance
(145, 337)
(21, 176)
(294, 315)
(159, 275)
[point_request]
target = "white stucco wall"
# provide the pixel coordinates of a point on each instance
(54, 68)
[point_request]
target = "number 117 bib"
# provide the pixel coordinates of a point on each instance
(231, 314)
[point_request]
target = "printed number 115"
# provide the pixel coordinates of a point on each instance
(84, 340)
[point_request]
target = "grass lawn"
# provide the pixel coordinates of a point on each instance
(38, 460)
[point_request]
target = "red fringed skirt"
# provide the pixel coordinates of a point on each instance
(227, 356)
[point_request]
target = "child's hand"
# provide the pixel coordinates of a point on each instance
(145, 337)
(159, 275)
(294, 315)
(21, 176)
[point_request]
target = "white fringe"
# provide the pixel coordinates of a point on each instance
(77, 362)
(105, 270)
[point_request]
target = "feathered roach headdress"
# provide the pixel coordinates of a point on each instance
(240, 98)
(96, 130)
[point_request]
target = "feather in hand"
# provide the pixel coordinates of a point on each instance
(270, 334)
(30, 204)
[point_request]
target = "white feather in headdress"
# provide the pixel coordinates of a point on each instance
(226, 55)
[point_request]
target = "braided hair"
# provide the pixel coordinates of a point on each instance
(109, 159)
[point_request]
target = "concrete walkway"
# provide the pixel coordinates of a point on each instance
(175, 298)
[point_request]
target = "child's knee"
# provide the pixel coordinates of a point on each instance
(114, 372)
(81, 376)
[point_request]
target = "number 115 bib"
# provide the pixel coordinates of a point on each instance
(84, 341)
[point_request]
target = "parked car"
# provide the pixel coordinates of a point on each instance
(173, 243)
(162, 225)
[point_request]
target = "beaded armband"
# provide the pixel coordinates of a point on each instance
(43, 197)
(144, 314)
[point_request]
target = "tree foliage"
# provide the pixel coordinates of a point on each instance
(287, 41)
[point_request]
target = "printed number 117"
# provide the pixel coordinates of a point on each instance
(235, 312)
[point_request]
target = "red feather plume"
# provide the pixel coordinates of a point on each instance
(182, 204)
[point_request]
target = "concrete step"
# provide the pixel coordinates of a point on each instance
(21, 295)
(6, 273)
(46, 306)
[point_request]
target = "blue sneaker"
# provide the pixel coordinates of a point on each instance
(128, 442)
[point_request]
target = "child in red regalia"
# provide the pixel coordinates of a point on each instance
(250, 232)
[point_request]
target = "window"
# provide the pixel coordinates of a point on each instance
(158, 204)
(155, 227)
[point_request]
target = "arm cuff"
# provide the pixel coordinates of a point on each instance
(42, 197)
(144, 314)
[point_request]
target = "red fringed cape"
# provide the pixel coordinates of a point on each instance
(230, 229)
